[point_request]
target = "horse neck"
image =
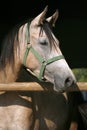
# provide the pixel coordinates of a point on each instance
(10, 72)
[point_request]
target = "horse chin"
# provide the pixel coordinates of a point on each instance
(55, 88)
(58, 90)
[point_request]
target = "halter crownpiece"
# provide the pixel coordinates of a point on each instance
(41, 60)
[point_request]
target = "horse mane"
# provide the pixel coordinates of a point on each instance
(7, 51)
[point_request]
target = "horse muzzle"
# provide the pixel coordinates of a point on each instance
(61, 84)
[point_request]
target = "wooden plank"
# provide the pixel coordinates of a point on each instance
(34, 86)
(23, 86)
(82, 86)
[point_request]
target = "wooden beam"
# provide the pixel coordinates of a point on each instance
(21, 86)
(34, 86)
(82, 86)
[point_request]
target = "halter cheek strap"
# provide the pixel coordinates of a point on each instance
(25, 55)
(41, 60)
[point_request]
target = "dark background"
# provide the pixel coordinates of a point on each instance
(71, 27)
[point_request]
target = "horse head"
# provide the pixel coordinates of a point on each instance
(42, 56)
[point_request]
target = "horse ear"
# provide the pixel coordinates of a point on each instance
(52, 20)
(41, 17)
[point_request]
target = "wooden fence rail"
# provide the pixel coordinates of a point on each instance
(34, 86)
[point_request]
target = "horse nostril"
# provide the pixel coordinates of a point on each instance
(68, 82)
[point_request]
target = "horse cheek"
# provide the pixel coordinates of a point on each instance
(32, 62)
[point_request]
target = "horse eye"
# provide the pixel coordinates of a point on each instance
(43, 43)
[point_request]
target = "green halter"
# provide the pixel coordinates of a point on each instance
(39, 57)
(41, 60)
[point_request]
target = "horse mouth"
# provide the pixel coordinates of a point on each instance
(59, 89)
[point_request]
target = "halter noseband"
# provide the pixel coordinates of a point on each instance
(41, 60)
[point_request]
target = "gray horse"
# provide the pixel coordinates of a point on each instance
(34, 46)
